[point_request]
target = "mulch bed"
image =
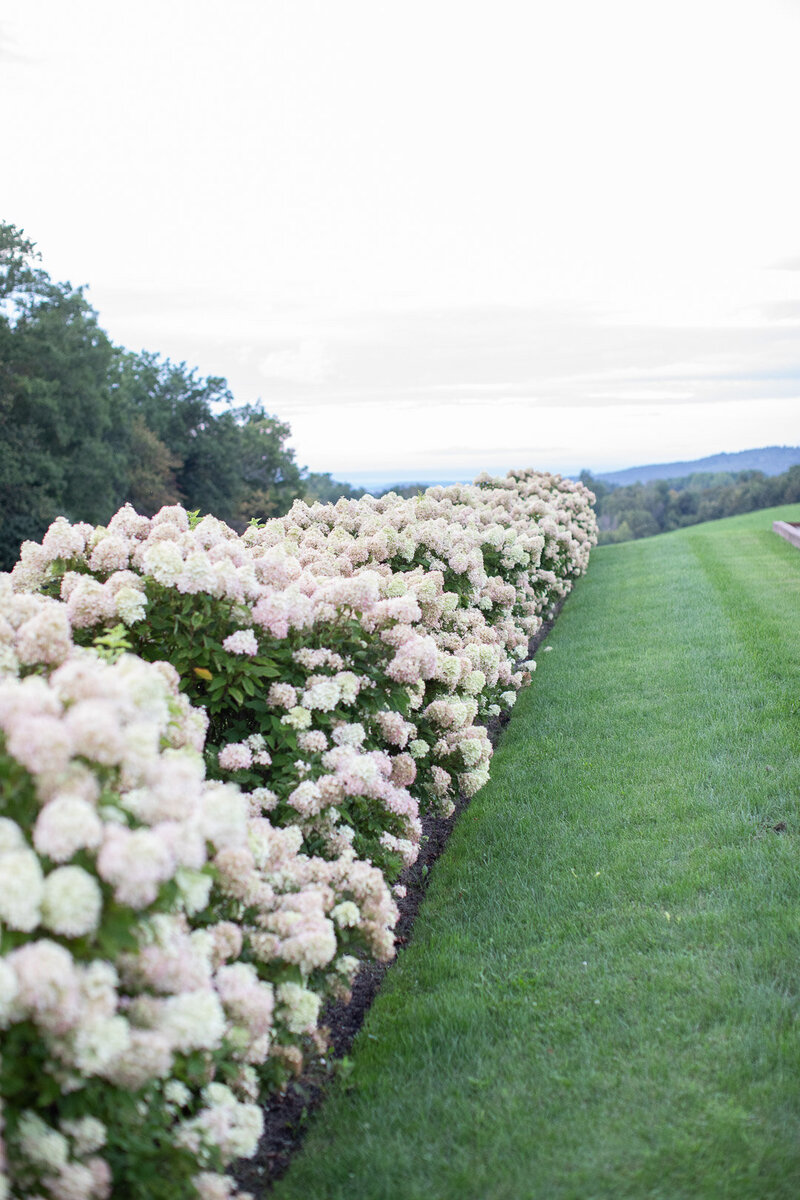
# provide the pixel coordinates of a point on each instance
(286, 1115)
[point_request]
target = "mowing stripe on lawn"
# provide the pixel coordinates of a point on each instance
(601, 996)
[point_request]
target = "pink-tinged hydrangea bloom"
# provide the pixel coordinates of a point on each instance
(129, 524)
(306, 798)
(263, 800)
(406, 849)
(394, 728)
(236, 756)
(314, 741)
(111, 553)
(174, 961)
(90, 603)
(322, 692)
(64, 541)
(226, 942)
(172, 514)
(148, 1056)
(232, 1127)
(243, 641)
(49, 991)
(404, 770)
(282, 695)
(349, 734)
(211, 1186)
(248, 1000)
(95, 732)
(46, 637)
(135, 863)
(32, 569)
(101, 1177)
(41, 743)
(441, 781)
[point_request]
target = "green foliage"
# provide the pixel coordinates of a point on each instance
(114, 642)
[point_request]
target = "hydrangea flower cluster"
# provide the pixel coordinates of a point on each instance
(159, 937)
(198, 837)
(484, 563)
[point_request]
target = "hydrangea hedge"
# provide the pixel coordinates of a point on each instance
(215, 750)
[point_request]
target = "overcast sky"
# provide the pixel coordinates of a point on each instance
(434, 236)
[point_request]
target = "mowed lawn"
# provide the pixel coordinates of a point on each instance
(602, 992)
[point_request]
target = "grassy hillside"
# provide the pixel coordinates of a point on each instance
(601, 994)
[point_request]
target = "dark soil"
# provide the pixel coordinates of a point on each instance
(286, 1115)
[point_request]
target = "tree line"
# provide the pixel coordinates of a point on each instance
(643, 509)
(86, 425)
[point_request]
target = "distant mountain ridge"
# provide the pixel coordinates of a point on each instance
(772, 460)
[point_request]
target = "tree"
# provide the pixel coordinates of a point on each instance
(151, 470)
(324, 488)
(56, 410)
(86, 425)
(232, 462)
(270, 477)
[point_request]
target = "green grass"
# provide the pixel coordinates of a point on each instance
(601, 996)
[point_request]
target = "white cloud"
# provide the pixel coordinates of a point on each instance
(307, 362)
(430, 216)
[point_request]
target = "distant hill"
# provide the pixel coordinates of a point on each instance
(772, 460)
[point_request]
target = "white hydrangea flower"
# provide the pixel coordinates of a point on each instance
(346, 914)
(299, 1007)
(194, 1021)
(87, 1133)
(164, 561)
(46, 1148)
(22, 889)
(194, 888)
(71, 902)
(65, 825)
(11, 836)
(131, 605)
(298, 717)
(95, 1044)
(8, 992)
